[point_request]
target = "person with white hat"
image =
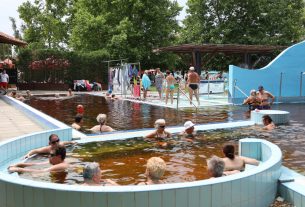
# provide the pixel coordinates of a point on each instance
(189, 131)
(193, 81)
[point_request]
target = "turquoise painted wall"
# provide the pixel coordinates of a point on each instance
(291, 63)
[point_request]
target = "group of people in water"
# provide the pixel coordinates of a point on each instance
(259, 99)
(155, 166)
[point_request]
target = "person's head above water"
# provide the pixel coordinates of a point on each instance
(160, 123)
(101, 118)
(229, 151)
(155, 168)
(216, 166)
(267, 120)
(92, 172)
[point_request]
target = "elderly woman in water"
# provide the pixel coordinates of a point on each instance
(102, 127)
(155, 169)
(160, 134)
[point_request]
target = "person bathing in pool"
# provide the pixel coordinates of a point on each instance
(160, 134)
(56, 159)
(54, 142)
(155, 169)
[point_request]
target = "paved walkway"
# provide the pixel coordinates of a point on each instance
(15, 123)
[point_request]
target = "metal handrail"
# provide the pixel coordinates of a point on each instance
(180, 90)
(241, 91)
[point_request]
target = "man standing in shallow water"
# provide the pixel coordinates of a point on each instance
(264, 97)
(193, 81)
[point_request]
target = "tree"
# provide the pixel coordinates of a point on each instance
(125, 28)
(244, 21)
(270, 22)
(46, 22)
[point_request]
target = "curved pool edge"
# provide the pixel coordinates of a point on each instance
(246, 188)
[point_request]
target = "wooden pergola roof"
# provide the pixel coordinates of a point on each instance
(7, 39)
(221, 48)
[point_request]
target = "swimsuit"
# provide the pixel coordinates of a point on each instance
(171, 87)
(193, 86)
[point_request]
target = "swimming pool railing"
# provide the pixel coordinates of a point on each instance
(178, 96)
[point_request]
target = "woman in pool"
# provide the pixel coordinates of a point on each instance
(102, 127)
(235, 162)
(155, 169)
(252, 101)
(170, 86)
(160, 134)
(93, 176)
(268, 123)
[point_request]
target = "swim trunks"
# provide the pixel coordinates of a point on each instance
(193, 86)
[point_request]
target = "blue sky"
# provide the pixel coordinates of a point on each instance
(9, 9)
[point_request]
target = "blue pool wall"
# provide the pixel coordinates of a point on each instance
(254, 187)
(292, 187)
(290, 62)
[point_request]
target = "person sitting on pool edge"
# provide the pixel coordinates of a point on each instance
(155, 169)
(160, 134)
(93, 176)
(216, 168)
(189, 131)
(78, 120)
(56, 159)
(235, 162)
(102, 127)
(54, 142)
(268, 123)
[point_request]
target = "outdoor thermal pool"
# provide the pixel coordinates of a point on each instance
(125, 115)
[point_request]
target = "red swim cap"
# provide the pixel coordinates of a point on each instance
(80, 109)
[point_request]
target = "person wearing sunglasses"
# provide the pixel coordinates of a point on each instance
(56, 159)
(160, 134)
(54, 142)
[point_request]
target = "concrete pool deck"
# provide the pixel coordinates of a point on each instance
(14, 122)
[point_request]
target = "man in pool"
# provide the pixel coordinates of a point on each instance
(264, 97)
(193, 81)
(216, 167)
(189, 131)
(56, 159)
(54, 142)
(93, 176)
(78, 120)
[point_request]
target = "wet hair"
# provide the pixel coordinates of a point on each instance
(101, 118)
(90, 170)
(267, 118)
(229, 151)
(78, 118)
(155, 167)
(52, 135)
(158, 122)
(61, 150)
(216, 166)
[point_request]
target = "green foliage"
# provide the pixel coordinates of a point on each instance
(125, 28)
(262, 22)
(279, 22)
(46, 22)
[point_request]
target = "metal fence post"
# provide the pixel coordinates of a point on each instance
(234, 87)
(281, 82)
(301, 83)
(178, 96)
